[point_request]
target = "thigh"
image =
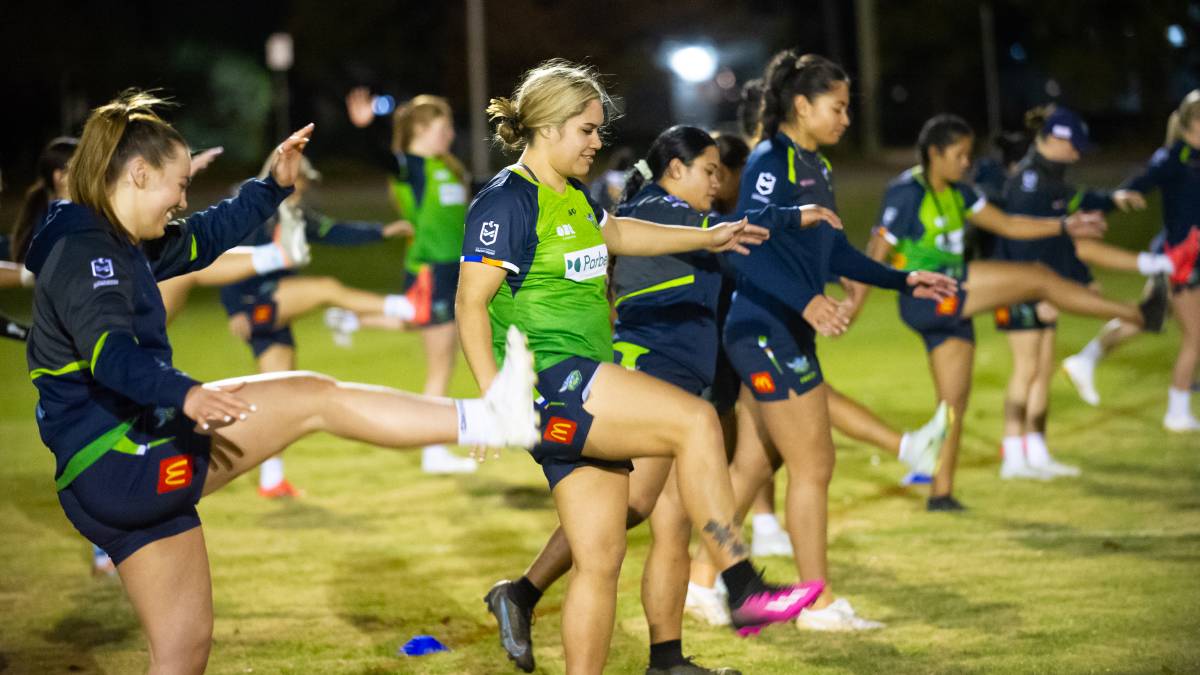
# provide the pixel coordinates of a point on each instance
(169, 585)
(647, 482)
(174, 293)
(799, 428)
(592, 503)
(1185, 303)
(994, 283)
(298, 295)
(1026, 346)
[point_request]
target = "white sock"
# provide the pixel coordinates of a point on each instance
(399, 307)
(765, 524)
(475, 425)
(1179, 402)
(267, 258)
(1149, 264)
(1036, 451)
(437, 449)
(270, 473)
(1014, 449)
(905, 446)
(1092, 351)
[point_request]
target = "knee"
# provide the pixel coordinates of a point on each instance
(698, 425)
(188, 653)
(329, 286)
(309, 383)
(602, 558)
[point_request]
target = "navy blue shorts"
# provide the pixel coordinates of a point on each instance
(445, 288)
(723, 393)
(562, 390)
(937, 322)
(772, 348)
(125, 501)
(1020, 317)
(635, 357)
(262, 311)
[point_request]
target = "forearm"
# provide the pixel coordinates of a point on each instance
(475, 335)
(849, 262)
(121, 365)
(632, 236)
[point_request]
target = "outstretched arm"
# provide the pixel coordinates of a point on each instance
(632, 236)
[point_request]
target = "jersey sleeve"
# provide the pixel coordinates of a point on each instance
(898, 217)
(1159, 170)
(973, 198)
(195, 242)
(321, 228)
(92, 289)
(1091, 200)
(501, 226)
(847, 261)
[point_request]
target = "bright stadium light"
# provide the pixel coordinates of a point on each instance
(1176, 36)
(694, 63)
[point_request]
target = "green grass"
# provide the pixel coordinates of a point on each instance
(1092, 574)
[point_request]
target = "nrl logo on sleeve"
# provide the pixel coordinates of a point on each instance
(102, 268)
(489, 232)
(765, 183)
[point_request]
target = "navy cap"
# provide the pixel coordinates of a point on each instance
(1066, 124)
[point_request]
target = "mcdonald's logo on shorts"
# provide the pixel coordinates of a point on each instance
(948, 306)
(263, 314)
(174, 473)
(560, 430)
(762, 382)
(1003, 316)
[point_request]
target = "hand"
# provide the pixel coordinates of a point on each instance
(823, 315)
(398, 228)
(812, 215)
(1086, 225)
(202, 159)
(213, 407)
(239, 325)
(736, 237)
(932, 285)
(286, 166)
(1129, 200)
(359, 107)
(479, 453)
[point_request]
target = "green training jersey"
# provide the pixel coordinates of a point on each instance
(927, 228)
(432, 197)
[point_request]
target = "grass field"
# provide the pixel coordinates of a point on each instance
(1099, 573)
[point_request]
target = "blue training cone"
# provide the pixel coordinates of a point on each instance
(420, 645)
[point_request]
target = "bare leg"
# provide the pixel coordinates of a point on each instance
(1037, 407)
(1116, 333)
(1186, 305)
(1025, 346)
(993, 283)
(853, 419)
(441, 347)
(591, 505)
(297, 296)
(169, 585)
(764, 500)
(952, 363)
(1103, 254)
(665, 577)
(175, 293)
(230, 268)
(807, 450)
(293, 405)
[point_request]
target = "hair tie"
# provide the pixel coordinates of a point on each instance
(643, 168)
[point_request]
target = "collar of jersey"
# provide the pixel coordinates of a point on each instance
(519, 169)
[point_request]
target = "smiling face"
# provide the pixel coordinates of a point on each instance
(158, 193)
(826, 116)
(952, 161)
(696, 183)
(435, 137)
(571, 148)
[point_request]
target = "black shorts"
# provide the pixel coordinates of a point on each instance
(125, 500)
(445, 287)
(562, 390)
(1020, 317)
(773, 349)
(937, 322)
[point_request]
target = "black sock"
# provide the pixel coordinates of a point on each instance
(740, 579)
(525, 594)
(666, 654)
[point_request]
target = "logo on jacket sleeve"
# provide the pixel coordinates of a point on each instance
(488, 232)
(765, 183)
(174, 473)
(560, 430)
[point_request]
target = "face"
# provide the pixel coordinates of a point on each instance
(1191, 134)
(952, 161)
(730, 180)
(572, 147)
(697, 183)
(827, 116)
(1057, 149)
(160, 193)
(436, 136)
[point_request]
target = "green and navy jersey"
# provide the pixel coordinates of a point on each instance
(927, 229)
(431, 196)
(1175, 169)
(667, 304)
(552, 246)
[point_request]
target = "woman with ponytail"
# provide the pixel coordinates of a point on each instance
(138, 442)
(923, 223)
(535, 256)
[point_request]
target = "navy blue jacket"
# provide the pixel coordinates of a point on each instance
(98, 351)
(668, 303)
(795, 264)
(1176, 170)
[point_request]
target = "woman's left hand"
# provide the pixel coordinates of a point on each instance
(397, 228)
(287, 156)
(931, 285)
(736, 237)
